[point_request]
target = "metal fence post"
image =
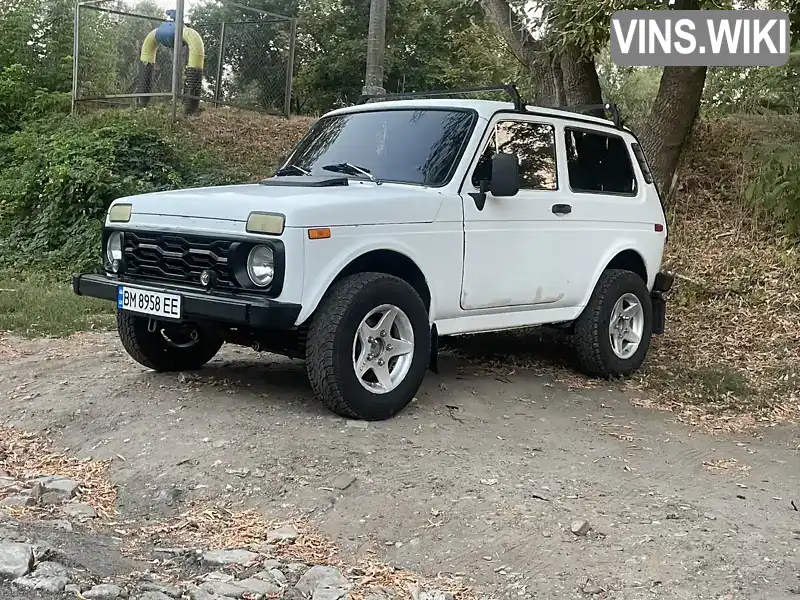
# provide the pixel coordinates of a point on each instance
(177, 58)
(75, 47)
(287, 103)
(220, 58)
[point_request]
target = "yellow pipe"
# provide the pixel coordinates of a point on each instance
(196, 48)
(192, 39)
(149, 47)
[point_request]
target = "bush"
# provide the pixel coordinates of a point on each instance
(774, 193)
(58, 177)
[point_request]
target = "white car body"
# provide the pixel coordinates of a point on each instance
(392, 224)
(513, 264)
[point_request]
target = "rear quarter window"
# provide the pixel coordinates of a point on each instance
(599, 163)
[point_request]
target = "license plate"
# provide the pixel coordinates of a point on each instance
(147, 302)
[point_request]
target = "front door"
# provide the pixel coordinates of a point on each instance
(514, 250)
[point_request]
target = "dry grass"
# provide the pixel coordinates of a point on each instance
(245, 139)
(731, 356)
(26, 456)
(217, 527)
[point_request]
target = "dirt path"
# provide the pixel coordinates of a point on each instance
(482, 476)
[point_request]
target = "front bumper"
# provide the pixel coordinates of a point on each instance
(250, 310)
(661, 286)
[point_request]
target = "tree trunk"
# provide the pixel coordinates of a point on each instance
(526, 50)
(376, 47)
(581, 84)
(670, 121)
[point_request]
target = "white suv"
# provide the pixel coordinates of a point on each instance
(390, 224)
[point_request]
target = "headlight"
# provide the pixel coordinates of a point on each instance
(261, 265)
(114, 249)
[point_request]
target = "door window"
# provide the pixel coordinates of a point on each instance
(534, 145)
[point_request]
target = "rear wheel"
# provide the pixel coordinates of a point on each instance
(368, 346)
(612, 335)
(166, 346)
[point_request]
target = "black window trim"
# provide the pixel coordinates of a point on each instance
(471, 112)
(636, 186)
(490, 127)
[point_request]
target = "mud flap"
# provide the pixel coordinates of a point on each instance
(433, 363)
(659, 312)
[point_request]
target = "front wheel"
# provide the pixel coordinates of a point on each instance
(166, 346)
(368, 346)
(613, 333)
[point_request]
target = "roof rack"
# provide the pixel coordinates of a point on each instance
(611, 108)
(509, 89)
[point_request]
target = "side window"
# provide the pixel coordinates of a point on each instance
(535, 146)
(598, 163)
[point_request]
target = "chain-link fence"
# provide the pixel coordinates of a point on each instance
(231, 55)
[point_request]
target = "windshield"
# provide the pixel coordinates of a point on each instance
(407, 146)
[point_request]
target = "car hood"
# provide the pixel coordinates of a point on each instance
(355, 204)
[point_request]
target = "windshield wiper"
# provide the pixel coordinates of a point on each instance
(291, 170)
(350, 169)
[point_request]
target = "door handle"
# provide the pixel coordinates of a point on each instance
(562, 209)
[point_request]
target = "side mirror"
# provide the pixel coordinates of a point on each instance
(505, 175)
(504, 180)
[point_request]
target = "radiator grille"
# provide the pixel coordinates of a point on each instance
(177, 258)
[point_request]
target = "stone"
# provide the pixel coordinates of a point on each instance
(271, 563)
(59, 524)
(154, 595)
(229, 557)
(282, 534)
(278, 576)
(195, 593)
(218, 576)
(165, 590)
(51, 498)
(267, 548)
(48, 577)
(72, 589)
(16, 560)
(223, 588)
(79, 510)
(357, 424)
(344, 481)
(320, 577)
(581, 527)
(259, 586)
(103, 591)
(18, 500)
(328, 593)
(592, 589)
(66, 488)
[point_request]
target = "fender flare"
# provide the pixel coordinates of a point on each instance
(623, 246)
(313, 295)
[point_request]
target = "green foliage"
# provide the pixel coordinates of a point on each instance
(774, 192)
(633, 89)
(20, 102)
(60, 177)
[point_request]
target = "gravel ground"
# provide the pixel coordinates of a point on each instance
(497, 478)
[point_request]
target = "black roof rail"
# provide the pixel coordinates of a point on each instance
(607, 107)
(509, 89)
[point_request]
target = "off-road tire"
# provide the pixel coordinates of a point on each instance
(329, 348)
(151, 350)
(591, 338)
